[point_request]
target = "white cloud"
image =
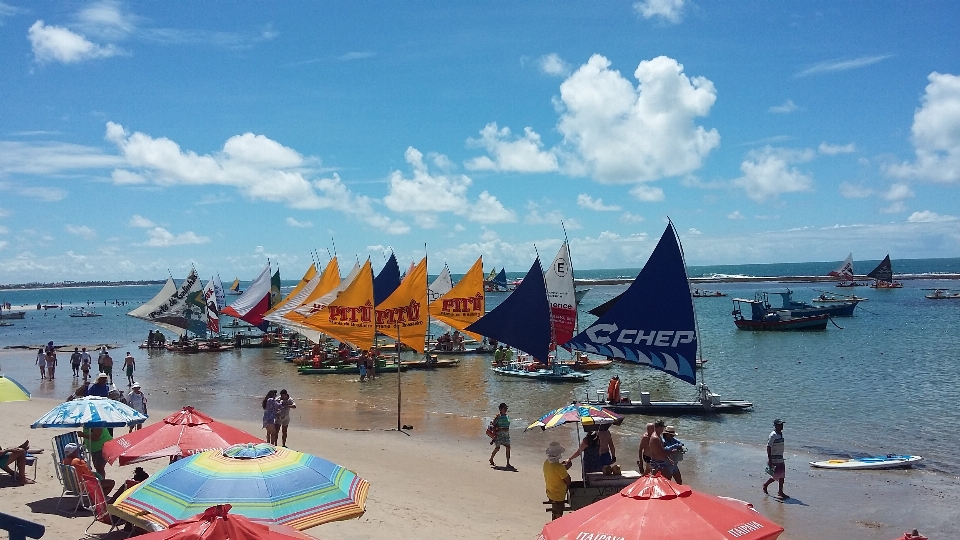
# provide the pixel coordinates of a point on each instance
(4, 230)
(160, 237)
(6, 10)
(927, 216)
(82, 231)
(647, 193)
(834, 149)
(356, 55)
(853, 191)
(669, 10)
(767, 173)
(107, 20)
(843, 65)
(536, 215)
(425, 194)
(898, 192)
(628, 217)
(621, 134)
(139, 221)
(935, 133)
(552, 64)
(45, 194)
(3, 244)
(788, 107)
(588, 202)
(299, 224)
(47, 158)
(56, 43)
(895, 207)
(693, 231)
(522, 154)
(735, 215)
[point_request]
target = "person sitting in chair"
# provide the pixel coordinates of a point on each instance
(18, 456)
(72, 453)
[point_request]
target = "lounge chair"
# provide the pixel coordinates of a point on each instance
(59, 443)
(72, 486)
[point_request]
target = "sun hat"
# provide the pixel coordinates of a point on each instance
(135, 385)
(555, 450)
(101, 376)
(778, 422)
(670, 430)
(70, 448)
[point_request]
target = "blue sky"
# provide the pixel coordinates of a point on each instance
(137, 138)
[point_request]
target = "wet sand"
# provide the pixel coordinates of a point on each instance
(435, 482)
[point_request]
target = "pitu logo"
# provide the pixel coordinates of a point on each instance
(399, 315)
(351, 314)
(463, 305)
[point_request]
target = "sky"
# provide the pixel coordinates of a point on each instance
(138, 139)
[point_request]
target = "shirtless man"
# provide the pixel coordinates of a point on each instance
(608, 453)
(659, 460)
(644, 462)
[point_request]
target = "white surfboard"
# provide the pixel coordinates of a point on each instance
(889, 461)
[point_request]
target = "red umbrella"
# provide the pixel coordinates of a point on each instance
(216, 524)
(183, 433)
(658, 509)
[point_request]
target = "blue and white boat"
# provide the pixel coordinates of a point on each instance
(841, 308)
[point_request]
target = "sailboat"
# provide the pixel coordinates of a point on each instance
(234, 287)
(883, 276)
(522, 321)
(459, 307)
(844, 273)
(654, 324)
(496, 282)
(171, 308)
(254, 303)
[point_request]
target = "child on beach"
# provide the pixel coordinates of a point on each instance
(502, 424)
(42, 362)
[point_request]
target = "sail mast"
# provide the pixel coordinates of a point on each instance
(693, 307)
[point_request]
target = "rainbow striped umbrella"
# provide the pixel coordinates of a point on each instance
(261, 481)
(588, 415)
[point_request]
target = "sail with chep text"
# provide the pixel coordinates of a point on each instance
(653, 322)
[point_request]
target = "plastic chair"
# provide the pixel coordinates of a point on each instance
(98, 504)
(72, 486)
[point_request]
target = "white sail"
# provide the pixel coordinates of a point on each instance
(221, 296)
(293, 302)
(213, 312)
(172, 308)
(562, 296)
(845, 271)
(143, 312)
(441, 285)
(325, 300)
(252, 297)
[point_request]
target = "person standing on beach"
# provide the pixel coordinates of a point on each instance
(659, 460)
(502, 424)
(284, 404)
(674, 449)
(51, 352)
(85, 364)
(608, 452)
(138, 402)
(106, 364)
(556, 478)
(42, 362)
(129, 366)
(590, 450)
(103, 352)
(270, 416)
(75, 362)
(362, 366)
(776, 465)
(644, 462)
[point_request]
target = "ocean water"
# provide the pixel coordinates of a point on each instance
(884, 383)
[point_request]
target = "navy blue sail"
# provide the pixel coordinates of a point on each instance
(652, 323)
(386, 281)
(501, 280)
(883, 271)
(522, 320)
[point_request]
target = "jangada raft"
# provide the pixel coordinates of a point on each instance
(889, 461)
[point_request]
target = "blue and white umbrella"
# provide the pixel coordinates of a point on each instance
(90, 412)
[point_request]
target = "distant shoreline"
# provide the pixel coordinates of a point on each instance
(78, 284)
(761, 279)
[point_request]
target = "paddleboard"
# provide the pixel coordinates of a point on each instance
(873, 462)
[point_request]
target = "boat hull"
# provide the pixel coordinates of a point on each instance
(676, 407)
(461, 353)
(424, 364)
(816, 322)
(13, 315)
(542, 374)
(868, 463)
(346, 370)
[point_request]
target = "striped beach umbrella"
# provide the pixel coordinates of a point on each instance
(11, 390)
(90, 412)
(261, 481)
(588, 415)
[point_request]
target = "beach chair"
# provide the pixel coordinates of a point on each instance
(61, 441)
(98, 504)
(72, 487)
(138, 520)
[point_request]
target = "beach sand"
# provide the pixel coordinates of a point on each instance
(438, 484)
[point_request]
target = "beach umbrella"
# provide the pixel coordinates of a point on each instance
(215, 523)
(11, 390)
(90, 412)
(261, 481)
(183, 433)
(588, 415)
(653, 508)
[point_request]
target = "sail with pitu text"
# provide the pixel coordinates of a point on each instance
(350, 316)
(464, 303)
(653, 322)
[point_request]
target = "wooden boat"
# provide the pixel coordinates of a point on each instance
(84, 313)
(883, 275)
(698, 293)
(827, 298)
(764, 319)
(12, 314)
(707, 403)
(943, 294)
(346, 369)
(430, 363)
(556, 373)
(5, 323)
(889, 461)
(802, 309)
(234, 287)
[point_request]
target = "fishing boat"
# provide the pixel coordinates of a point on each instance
(762, 318)
(431, 362)
(81, 312)
(889, 461)
(843, 308)
(11, 314)
(234, 287)
(700, 293)
(349, 369)
(496, 282)
(943, 294)
(5, 323)
(883, 276)
(654, 324)
(827, 298)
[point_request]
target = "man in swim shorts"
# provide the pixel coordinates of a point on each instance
(776, 465)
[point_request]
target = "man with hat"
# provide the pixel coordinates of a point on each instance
(138, 401)
(556, 477)
(99, 388)
(72, 457)
(776, 465)
(674, 449)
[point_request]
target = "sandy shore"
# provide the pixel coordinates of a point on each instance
(434, 485)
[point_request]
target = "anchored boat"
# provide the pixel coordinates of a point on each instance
(762, 318)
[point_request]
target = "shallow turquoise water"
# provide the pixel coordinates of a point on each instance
(885, 383)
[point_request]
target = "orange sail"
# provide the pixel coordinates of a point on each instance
(403, 311)
(329, 280)
(464, 303)
(307, 276)
(349, 318)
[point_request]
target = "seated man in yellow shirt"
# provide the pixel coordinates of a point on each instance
(556, 477)
(72, 452)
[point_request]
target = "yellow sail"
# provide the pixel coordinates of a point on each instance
(349, 318)
(403, 311)
(307, 276)
(328, 281)
(464, 303)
